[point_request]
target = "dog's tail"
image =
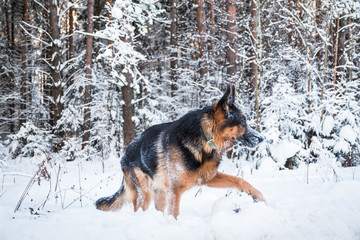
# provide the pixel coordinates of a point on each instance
(113, 202)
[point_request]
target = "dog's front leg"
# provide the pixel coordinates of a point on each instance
(222, 180)
(174, 196)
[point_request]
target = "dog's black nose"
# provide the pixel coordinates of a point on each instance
(261, 139)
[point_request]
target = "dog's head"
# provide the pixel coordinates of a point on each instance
(229, 124)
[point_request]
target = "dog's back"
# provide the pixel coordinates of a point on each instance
(142, 152)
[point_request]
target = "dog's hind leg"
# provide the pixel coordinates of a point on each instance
(136, 191)
(142, 183)
(160, 199)
(160, 188)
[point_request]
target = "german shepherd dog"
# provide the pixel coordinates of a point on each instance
(170, 158)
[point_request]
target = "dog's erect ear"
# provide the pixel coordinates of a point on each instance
(228, 99)
(232, 96)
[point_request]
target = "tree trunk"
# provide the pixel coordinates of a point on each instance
(23, 83)
(128, 108)
(291, 5)
(336, 49)
(253, 58)
(298, 42)
(309, 71)
(88, 73)
(98, 7)
(201, 28)
(71, 31)
(342, 39)
(70, 53)
(112, 88)
(9, 46)
(299, 11)
(318, 12)
(351, 45)
(110, 3)
(128, 111)
(253, 52)
(231, 30)
(211, 46)
(55, 63)
(13, 11)
(173, 45)
(7, 27)
(46, 81)
(325, 58)
(318, 25)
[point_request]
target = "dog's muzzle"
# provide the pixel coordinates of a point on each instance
(250, 139)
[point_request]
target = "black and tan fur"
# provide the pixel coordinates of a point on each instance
(170, 158)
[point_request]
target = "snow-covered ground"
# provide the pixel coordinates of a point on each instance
(326, 208)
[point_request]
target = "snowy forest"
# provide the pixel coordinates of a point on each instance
(80, 79)
(84, 78)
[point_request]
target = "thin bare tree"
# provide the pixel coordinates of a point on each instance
(201, 28)
(88, 73)
(231, 32)
(55, 63)
(23, 83)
